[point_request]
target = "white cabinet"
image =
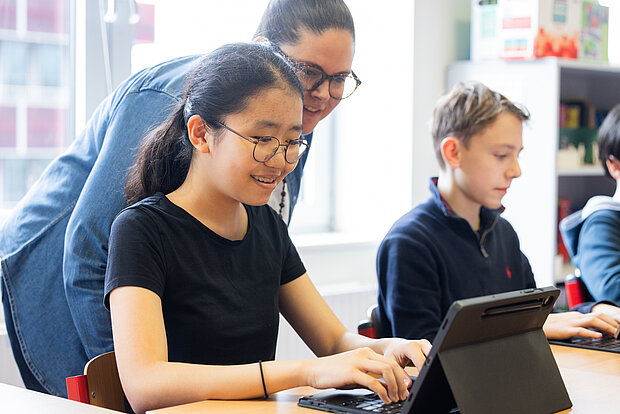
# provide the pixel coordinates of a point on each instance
(532, 201)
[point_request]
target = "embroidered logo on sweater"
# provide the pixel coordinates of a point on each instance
(508, 272)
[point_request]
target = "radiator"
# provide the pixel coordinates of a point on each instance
(348, 303)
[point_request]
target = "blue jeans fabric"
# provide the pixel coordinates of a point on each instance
(53, 247)
(29, 380)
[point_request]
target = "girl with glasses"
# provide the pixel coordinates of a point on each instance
(200, 268)
(57, 237)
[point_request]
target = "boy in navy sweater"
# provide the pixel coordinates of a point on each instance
(456, 245)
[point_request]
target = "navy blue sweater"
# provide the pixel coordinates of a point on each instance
(432, 257)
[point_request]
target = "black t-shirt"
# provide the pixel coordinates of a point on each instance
(219, 297)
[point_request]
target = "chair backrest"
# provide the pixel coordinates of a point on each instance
(370, 327)
(576, 290)
(100, 385)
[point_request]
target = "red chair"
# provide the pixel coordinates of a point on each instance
(370, 327)
(576, 290)
(100, 385)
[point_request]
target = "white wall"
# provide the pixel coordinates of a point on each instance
(441, 36)
(373, 140)
(372, 150)
(383, 168)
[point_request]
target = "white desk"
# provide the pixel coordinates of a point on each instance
(22, 401)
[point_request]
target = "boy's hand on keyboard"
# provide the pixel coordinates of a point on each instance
(609, 310)
(565, 325)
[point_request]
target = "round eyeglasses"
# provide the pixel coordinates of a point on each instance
(265, 148)
(341, 85)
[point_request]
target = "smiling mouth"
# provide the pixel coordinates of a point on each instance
(313, 110)
(266, 180)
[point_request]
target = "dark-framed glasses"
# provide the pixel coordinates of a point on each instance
(311, 76)
(341, 85)
(266, 147)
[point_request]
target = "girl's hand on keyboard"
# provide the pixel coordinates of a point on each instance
(407, 352)
(361, 367)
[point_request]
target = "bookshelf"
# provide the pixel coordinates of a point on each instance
(532, 201)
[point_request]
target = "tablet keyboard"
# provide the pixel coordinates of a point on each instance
(605, 343)
(374, 404)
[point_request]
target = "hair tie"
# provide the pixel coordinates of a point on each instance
(262, 378)
(187, 109)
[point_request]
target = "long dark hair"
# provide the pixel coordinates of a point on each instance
(283, 19)
(220, 85)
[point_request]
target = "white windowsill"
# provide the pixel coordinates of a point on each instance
(337, 261)
(332, 239)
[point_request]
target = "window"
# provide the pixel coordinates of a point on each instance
(35, 91)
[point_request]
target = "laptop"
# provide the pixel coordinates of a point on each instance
(490, 355)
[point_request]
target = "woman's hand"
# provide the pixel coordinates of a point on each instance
(360, 367)
(565, 325)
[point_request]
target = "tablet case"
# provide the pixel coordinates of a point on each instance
(491, 355)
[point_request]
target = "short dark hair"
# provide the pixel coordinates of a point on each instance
(468, 109)
(221, 84)
(284, 19)
(608, 140)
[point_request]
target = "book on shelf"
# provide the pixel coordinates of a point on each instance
(579, 122)
(578, 113)
(564, 210)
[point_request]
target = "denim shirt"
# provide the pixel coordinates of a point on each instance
(53, 246)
